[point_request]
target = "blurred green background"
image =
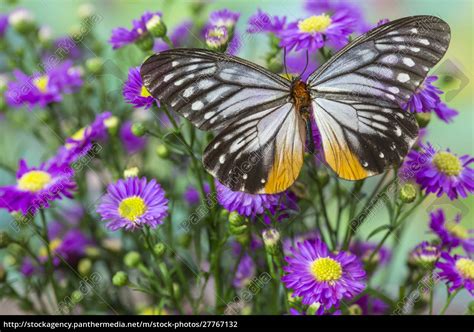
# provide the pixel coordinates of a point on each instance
(61, 15)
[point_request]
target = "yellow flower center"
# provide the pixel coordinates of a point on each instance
(144, 92)
(41, 83)
(132, 208)
(79, 135)
(315, 23)
(457, 230)
(326, 269)
(447, 163)
(465, 267)
(34, 181)
(53, 245)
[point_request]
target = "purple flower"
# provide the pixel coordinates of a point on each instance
(245, 272)
(122, 36)
(68, 46)
(458, 271)
(131, 143)
(426, 99)
(178, 37)
(424, 254)
(371, 305)
(296, 62)
(80, 143)
(248, 205)
(332, 6)
(318, 31)
(262, 22)
(132, 203)
(363, 250)
(36, 187)
(66, 246)
(3, 25)
(225, 18)
(135, 93)
(193, 196)
(440, 172)
(452, 233)
(317, 275)
(216, 37)
(43, 88)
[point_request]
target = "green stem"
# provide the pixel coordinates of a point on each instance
(450, 298)
(50, 264)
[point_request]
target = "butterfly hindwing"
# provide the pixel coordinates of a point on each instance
(358, 94)
(262, 153)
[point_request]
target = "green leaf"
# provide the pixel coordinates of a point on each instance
(378, 230)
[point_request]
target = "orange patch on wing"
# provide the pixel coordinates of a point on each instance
(345, 164)
(284, 171)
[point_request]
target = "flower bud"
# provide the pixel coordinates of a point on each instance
(95, 65)
(217, 38)
(22, 20)
(131, 172)
(162, 151)
(84, 266)
(92, 252)
(77, 296)
(313, 309)
(156, 26)
(159, 249)
(132, 259)
(224, 214)
(355, 310)
(111, 123)
(271, 240)
(145, 42)
(45, 36)
(120, 279)
(235, 219)
(407, 193)
(138, 129)
(86, 10)
(423, 119)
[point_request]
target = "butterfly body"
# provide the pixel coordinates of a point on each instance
(261, 119)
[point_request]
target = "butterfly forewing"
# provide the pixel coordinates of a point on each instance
(358, 94)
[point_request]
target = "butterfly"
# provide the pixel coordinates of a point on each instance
(261, 119)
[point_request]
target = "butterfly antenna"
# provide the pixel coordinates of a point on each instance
(306, 65)
(284, 62)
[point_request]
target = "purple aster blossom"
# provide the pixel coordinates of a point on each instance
(66, 246)
(263, 22)
(121, 36)
(193, 196)
(424, 254)
(42, 89)
(245, 272)
(36, 187)
(457, 271)
(318, 31)
(131, 143)
(81, 142)
(3, 25)
(363, 250)
(317, 275)
(452, 233)
(249, 205)
(427, 99)
(216, 37)
(371, 305)
(132, 203)
(178, 37)
(135, 93)
(440, 172)
(319, 7)
(67, 45)
(225, 18)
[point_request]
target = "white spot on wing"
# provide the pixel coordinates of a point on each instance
(394, 89)
(168, 77)
(425, 41)
(174, 63)
(188, 92)
(263, 181)
(415, 49)
(222, 159)
(244, 176)
(414, 30)
(409, 62)
(209, 115)
(381, 155)
(403, 77)
(197, 105)
(398, 131)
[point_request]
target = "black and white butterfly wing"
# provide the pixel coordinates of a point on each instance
(260, 143)
(357, 95)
